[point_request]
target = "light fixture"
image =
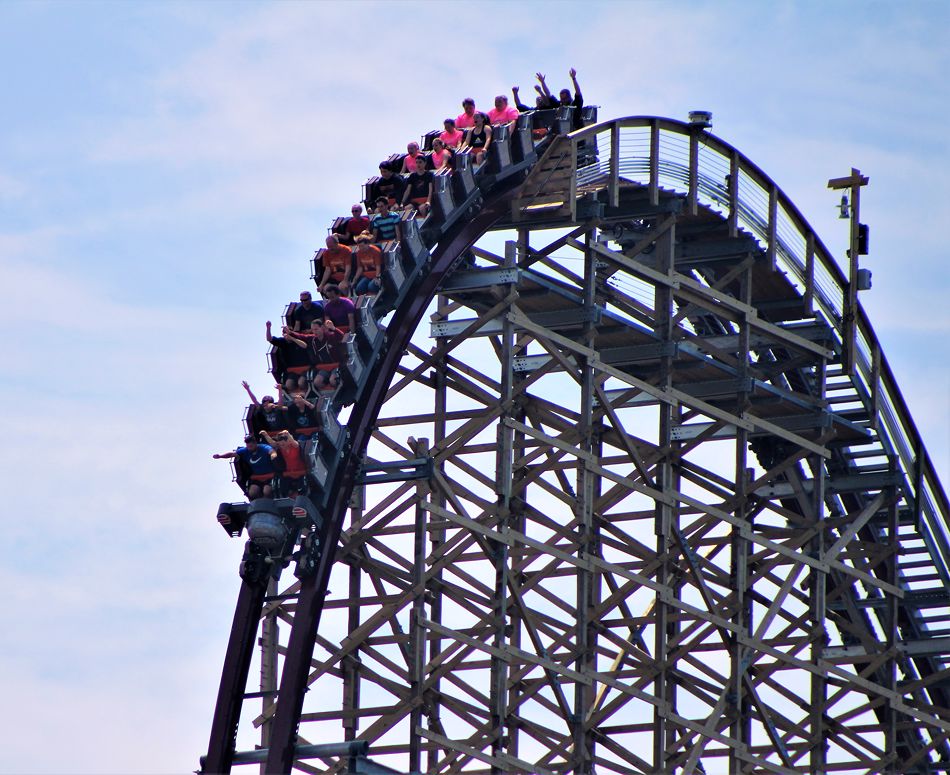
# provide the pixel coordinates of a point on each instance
(701, 119)
(843, 209)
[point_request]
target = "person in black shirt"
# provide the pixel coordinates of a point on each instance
(388, 184)
(290, 363)
(266, 414)
(302, 418)
(304, 313)
(540, 102)
(419, 188)
(565, 99)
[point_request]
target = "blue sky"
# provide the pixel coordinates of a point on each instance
(166, 171)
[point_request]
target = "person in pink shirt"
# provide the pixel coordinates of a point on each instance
(502, 113)
(441, 155)
(452, 137)
(409, 161)
(466, 119)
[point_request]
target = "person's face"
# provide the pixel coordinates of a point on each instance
(468, 107)
(251, 445)
(305, 299)
(500, 103)
(386, 173)
(357, 212)
(449, 126)
(437, 145)
(565, 97)
(315, 326)
(383, 207)
(331, 242)
(413, 148)
(420, 164)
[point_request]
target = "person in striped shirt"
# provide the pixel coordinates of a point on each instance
(385, 224)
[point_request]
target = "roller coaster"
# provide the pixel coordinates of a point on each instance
(651, 501)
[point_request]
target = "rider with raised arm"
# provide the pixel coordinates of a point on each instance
(293, 478)
(259, 460)
(564, 98)
(266, 414)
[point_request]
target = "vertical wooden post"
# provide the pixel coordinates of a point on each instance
(665, 630)
(693, 194)
(740, 705)
(809, 295)
(498, 690)
(613, 185)
(417, 632)
(351, 662)
(772, 248)
(849, 312)
(654, 187)
(268, 643)
(437, 536)
(733, 191)
(817, 600)
(892, 762)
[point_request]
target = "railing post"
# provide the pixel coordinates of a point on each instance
(875, 380)
(733, 188)
(693, 195)
(654, 162)
(773, 225)
(573, 187)
(613, 185)
(809, 295)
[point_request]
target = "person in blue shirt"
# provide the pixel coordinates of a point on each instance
(385, 225)
(258, 462)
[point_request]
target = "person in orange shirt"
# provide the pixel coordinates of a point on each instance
(293, 479)
(369, 267)
(337, 264)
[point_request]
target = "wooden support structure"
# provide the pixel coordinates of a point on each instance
(667, 529)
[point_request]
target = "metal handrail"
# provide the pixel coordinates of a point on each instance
(678, 155)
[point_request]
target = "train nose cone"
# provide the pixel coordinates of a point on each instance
(264, 526)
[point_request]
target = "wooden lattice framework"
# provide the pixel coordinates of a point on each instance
(656, 536)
